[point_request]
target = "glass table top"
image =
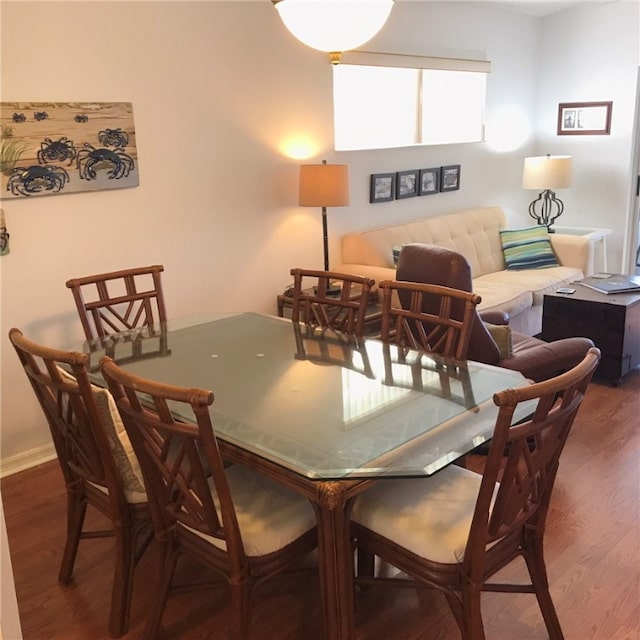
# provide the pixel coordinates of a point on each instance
(323, 405)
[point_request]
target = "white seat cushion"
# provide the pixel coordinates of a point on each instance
(121, 448)
(430, 517)
(269, 515)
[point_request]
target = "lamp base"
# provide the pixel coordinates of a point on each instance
(546, 208)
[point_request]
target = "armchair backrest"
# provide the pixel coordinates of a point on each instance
(432, 264)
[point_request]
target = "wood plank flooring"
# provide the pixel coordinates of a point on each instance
(593, 555)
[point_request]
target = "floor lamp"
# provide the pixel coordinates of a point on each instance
(324, 185)
(546, 173)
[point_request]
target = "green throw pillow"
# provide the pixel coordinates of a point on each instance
(501, 333)
(528, 248)
(395, 254)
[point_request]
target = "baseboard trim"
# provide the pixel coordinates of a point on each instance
(27, 460)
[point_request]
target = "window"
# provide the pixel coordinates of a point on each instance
(387, 100)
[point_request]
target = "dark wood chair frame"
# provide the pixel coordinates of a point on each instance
(435, 331)
(510, 523)
(102, 313)
(176, 459)
(335, 301)
(86, 462)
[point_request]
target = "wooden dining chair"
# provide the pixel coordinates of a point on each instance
(332, 300)
(119, 301)
(455, 530)
(97, 462)
(240, 524)
(426, 317)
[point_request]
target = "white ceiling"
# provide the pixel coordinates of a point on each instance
(541, 7)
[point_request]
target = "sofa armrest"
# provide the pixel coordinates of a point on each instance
(574, 251)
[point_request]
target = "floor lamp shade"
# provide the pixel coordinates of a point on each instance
(546, 173)
(324, 185)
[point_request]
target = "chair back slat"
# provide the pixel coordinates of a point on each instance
(430, 318)
(330, 300)
(119, 301)
(172, 454)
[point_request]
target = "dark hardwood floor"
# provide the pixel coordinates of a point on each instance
(593, 555)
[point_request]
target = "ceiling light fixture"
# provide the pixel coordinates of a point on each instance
(333, 26)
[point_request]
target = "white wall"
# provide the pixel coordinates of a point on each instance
(590, 54)
(220, 93)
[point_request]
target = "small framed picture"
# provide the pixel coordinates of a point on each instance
(429, 180)
(382, 187)
(450, 178)
(406, 184)
(584, 118)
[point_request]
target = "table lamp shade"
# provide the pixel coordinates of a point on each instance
(547, 172)
(324, 185)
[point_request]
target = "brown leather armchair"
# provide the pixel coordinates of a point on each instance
(534, 358)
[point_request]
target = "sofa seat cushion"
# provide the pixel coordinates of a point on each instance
(508, 297)
(536, 281)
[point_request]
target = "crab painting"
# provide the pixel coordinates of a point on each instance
(40, 115)
(59, 150)
(81, 117)
(113, 138)
(18, 117)
(91, 160)
(27, 181)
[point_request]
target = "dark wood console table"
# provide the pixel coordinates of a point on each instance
(612, 321)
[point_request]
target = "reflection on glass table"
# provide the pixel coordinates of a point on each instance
(320, 405)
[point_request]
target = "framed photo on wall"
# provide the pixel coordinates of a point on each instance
(450, 177)
(429, 181)
(382, 187)
(584, 118)
(407, 184)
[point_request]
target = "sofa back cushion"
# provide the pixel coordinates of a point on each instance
(475, 233)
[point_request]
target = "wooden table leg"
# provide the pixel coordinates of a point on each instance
(335, 560)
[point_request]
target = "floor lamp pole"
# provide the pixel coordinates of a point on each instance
(325, 238)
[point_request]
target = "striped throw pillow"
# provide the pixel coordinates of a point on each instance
(528, 248)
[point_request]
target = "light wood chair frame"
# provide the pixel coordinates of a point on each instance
(344, 310)
(87, 463)
(510, 523)
(176, 459)
(407, 325)
(103, 314)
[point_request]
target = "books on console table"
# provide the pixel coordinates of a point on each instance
(612, 283)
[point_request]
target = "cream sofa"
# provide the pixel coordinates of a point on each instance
(475, 234)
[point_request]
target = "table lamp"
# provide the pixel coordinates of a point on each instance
(546, 173)
(324, 185)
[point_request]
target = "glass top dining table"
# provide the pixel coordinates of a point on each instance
(324, 414)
